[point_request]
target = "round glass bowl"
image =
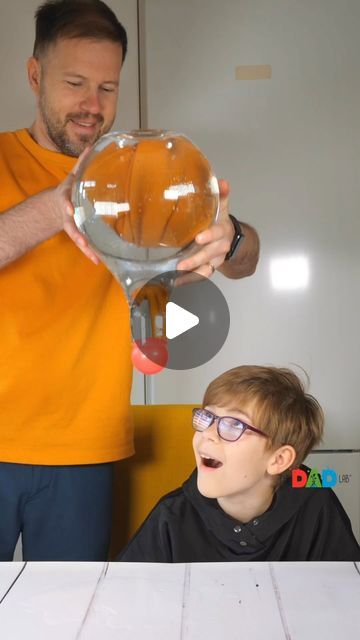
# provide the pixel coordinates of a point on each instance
(144, 195)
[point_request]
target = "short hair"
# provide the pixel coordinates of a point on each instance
(56, 19)
(278, 403)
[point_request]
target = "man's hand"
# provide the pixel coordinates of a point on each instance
(214, 242)
(40, 217)
(61, 201)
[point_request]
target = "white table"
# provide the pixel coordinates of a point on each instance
(219, 601)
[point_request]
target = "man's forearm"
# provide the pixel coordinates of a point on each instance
(25, 226)
(244, 262)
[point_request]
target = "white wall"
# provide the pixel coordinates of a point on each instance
(290, 148)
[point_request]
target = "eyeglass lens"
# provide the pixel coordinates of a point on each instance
(228, 428)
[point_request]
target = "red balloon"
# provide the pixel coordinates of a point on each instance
(151, 356)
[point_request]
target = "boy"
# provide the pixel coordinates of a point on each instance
(256, 424)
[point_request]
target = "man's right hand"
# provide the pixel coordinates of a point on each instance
(61, 201)
(40, 217)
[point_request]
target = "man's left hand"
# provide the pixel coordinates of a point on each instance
(215, 243)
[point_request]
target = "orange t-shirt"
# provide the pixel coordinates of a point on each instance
(65, 369)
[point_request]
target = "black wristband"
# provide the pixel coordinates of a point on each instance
(237, 239)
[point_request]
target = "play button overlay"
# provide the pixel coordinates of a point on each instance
(184, 313)
(178, 320)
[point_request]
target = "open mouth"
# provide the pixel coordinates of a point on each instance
(211, 463)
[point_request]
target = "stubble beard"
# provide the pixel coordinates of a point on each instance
(56, 130)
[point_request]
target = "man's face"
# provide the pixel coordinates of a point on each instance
(235, 469)
(77, 90)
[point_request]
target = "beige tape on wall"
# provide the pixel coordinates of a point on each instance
(253, 72)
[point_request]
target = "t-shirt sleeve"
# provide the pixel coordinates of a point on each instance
(333, 538)
(151, 542)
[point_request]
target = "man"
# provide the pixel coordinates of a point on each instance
(65, 357)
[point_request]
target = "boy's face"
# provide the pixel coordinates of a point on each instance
(240, 470)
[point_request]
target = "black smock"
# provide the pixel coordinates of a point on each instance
(301, 524)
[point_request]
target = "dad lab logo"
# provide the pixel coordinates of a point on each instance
(312, 478)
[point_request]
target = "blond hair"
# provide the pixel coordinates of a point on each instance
(278, 403)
